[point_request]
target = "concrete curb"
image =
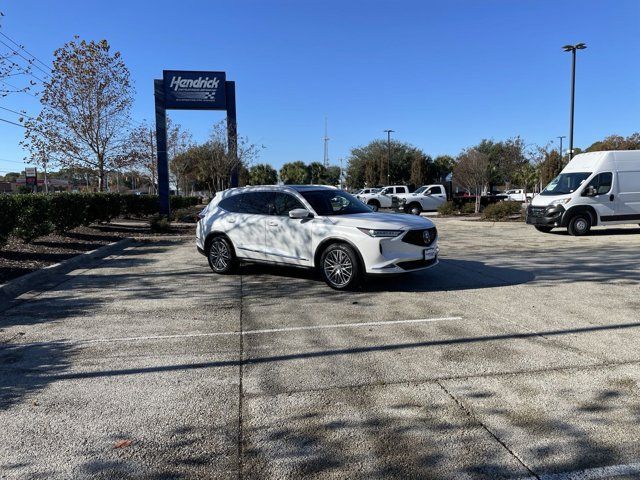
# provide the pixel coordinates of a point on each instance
(40, 279)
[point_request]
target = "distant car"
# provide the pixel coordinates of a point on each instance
(313, 227)
(367, 191)
(426, 198)
(517, 195)
(384, 197)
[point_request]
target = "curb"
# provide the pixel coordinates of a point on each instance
(41, 279)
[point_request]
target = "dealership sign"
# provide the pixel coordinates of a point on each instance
(31, 175)
(197, 90)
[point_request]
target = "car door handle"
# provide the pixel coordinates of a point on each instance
(272, 223)
(231, 219)
(611, 197)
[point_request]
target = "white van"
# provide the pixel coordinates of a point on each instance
(598, 188)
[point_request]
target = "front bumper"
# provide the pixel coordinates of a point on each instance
(401, 254)
(551, 216)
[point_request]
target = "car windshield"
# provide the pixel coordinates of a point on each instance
(334, 202)
(565, 183)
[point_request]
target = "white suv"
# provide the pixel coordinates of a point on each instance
(315, 227)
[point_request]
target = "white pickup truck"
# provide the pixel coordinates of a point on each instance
(517, 195)
(425, 199)
(383, 198)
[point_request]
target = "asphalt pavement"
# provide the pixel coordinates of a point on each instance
(516, 357)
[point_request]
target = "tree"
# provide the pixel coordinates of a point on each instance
(472, 172)
(317, 173)
(442, 166)
(85, 110)
(294, 173)
(421, 169)
(263, 174)
(332, 175)
(617, 142)
(18, 69)
(550, 166)
(367, 164)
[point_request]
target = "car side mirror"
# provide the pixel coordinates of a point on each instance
(590, 191)
(300, 213)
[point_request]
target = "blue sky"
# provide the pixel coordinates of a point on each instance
(443, 74)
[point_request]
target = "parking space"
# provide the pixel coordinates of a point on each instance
(516, 357)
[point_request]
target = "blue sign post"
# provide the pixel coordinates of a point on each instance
(192, 90)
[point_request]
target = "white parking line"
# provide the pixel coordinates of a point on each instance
(256, 332)
(593, 473)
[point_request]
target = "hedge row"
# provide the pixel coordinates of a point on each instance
(30, 216)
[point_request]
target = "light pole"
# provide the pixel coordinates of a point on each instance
(572, 49)
(389, 132)
(561, 137)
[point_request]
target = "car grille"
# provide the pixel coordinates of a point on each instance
(415, 264)
(537, 211)
(415, 237)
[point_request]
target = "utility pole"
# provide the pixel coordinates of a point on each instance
(572, 49)
(326, 145)
(561, 137)
(389, 132)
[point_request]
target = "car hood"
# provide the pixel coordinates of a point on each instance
(546, 200)
(389, 221)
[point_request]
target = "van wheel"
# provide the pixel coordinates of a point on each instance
(375, 206)
(543, 229)
(414, 209)
(221, 257)
(339, 267)
(579, 225)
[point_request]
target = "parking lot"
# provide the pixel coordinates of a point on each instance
(516, 357)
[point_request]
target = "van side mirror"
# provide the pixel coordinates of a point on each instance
(590, 191)
(300, 213)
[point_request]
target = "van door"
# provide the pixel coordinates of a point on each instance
(604, 201)
(628, 197)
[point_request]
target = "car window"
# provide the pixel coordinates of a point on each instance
(602, 183)
(231, 204)
(433, 191)
(334, 202)
(283, 203)
(387, 191)
(401, 189)
(256, 202)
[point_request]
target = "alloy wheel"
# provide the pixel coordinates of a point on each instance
(338, 267)
(219, 255)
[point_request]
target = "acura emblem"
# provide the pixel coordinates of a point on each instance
(426, 237)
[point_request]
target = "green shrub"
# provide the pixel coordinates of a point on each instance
(178, 203)
(8, 214)
(468, 208)
(160, 224)
(139, 205)
(186, 215)
(502, 210)
(448, 208)
(32, 219)
(68, 211)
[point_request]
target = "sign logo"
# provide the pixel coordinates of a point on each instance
(426, 237)
(194, 90)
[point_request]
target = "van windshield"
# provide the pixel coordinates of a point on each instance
(565, 183)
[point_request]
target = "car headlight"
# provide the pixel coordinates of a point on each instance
(372, 232)
(563, 201)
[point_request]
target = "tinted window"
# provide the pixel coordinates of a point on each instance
(387, 191)
(256, 202)
(434, 191)
(602, 183)
(283, 203)
(334, 202)
(231, 204)
(401, 189)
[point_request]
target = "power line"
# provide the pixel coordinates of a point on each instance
(17, 89)
(17, 113)
(24, 49)
(12, 123)
(29, 61)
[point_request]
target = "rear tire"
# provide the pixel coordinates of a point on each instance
(221, 256)
(375, 206)
(579, 225)
(339, 267)
(543, 229)
(414, 209)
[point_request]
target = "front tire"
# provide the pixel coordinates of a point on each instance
(339, 267)
(579, 225)
(221, 256)
(375, 206)
(414, 209)
(543, 229)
